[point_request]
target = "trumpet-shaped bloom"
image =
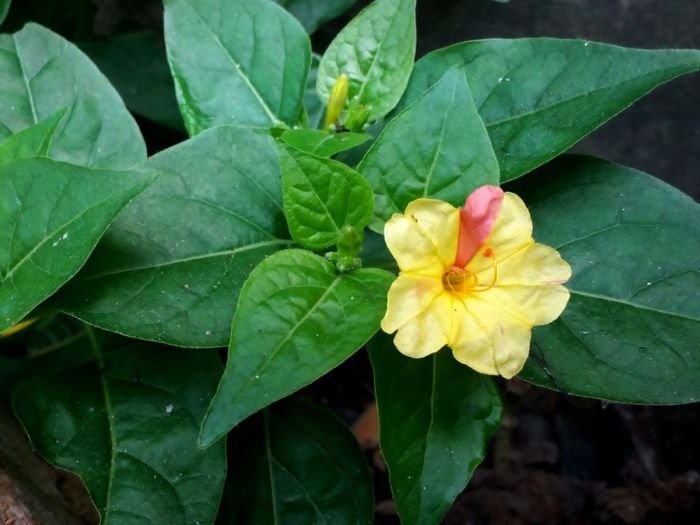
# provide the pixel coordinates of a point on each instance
(473, 279)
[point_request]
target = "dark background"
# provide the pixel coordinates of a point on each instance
(557, 459)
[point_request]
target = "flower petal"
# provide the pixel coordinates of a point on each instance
(424, 239)
(429, 331)
(528, 285)
(408, 297)
(477, 219)
(487, 340)
(511, 232)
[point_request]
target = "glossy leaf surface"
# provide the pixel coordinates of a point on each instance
(630, 332)
(314, 13)
(297, 319)
(376, 51)
(4, 8)
(135, 63)
(52, 214)
(296, 463)
(236, 62)
(316, 142)
(171, 267)
(322, 197)
(539, 96)
(438, 147)
(129, 430)
(41, 74)
(33, 141)
(436, 417)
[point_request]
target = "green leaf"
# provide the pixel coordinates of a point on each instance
(4, 8)
(171, 267)
(316, 142)
(296, 463)
(137, 66)
(236, 62)
(314, 13)
(630, 332)
(322, 198)
(296, 319)
(313, 107)
(33, 141)
(436, 417)
(52, 214)
(376, 51)
(129, 430)
(438, 147)
(539, 96)
(42, 74)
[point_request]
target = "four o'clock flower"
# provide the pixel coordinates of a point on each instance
(473, 279)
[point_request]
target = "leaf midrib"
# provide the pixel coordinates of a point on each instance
(173, 262)
(274, 120)
(11, 271)
(567, 100)
(25, 79)
(632, 305)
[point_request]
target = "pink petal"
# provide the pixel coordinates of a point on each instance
(477, 218)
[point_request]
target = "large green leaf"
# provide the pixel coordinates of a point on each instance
(436, 417)
(322, 199)
(631, 330)
(41, 74)
(52, 214)
(314, 13)
(137, 66)
(33, 141)
(171, 267)
(321, 144)
(297, 318)
(539, 96)
(438, 147)
(128, 428)
(376, 51)
(236, 62)
(297, 464)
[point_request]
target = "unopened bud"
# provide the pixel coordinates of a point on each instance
(357, 117)
(336, 101)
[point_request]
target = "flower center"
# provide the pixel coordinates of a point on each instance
(462, 280)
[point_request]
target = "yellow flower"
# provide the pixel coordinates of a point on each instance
(473, 279)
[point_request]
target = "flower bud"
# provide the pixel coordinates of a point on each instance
(336, 101)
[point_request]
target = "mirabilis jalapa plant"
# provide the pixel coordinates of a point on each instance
(252, 234)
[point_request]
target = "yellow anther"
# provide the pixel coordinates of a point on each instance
(336, 101)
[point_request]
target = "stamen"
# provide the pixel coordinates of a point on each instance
(488, 253)
(459, 280)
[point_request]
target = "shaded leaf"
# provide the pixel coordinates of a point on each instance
(539, 96)
(322, 198)
(137, 66)
(297, 318)
(129, 430)
(314, 13)
(33, 141)
(436, 417)
(52, 214)
(438, 147)
(4, 8)
(376, 51)
(296, 463)
(630, 332)
(236, 62)
(43, 74)
(171, 267)
(321, 144)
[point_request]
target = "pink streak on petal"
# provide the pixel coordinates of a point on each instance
(477, 218)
